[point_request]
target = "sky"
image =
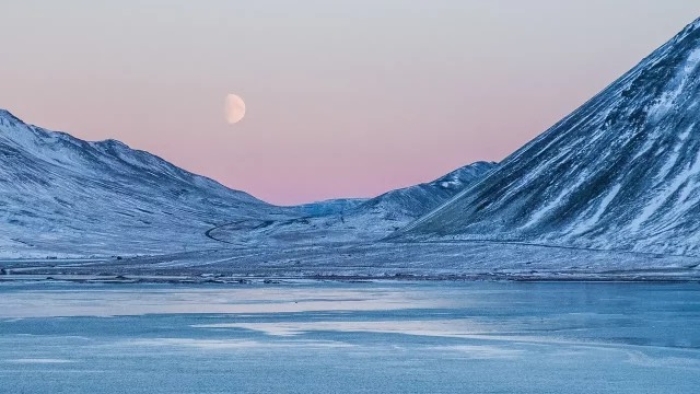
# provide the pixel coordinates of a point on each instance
(344, 98)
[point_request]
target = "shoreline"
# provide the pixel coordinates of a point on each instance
(272, 280)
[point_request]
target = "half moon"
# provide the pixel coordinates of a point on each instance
(234, 109)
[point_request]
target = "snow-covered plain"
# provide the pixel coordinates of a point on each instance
(477, 337)
(422, 261)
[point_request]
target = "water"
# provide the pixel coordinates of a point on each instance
(351, 338)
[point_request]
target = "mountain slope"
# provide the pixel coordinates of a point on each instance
(407, 203)
(330, 207)
(68, 196)
(343, 221)
(621, 172)
(414, 201)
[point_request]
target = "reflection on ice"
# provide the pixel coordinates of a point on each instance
(37, 361)
(107, 302)
(646, 360)
(474, 352)
(437, 328)
(224, 344)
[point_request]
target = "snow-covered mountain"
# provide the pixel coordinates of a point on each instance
(61, 196)
(621, 172)
(406, 203)
(65, 195)
(355, 220)
(414, 201)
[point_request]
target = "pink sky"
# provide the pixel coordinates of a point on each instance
(344, 98)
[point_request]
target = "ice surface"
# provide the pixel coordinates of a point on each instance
(351, 338)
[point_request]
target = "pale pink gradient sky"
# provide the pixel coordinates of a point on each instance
(344, 98)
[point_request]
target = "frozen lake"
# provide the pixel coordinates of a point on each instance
(350, 338)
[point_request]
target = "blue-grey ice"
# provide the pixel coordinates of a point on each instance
(383, 337)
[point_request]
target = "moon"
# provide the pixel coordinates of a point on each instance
(234, 109)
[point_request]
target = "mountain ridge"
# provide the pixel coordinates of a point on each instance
(411, 201)
(111, 146)
(60, 194)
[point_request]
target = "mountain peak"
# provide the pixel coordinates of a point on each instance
(693, 25)
(5, 113)
(8, 119)
(660, 85)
